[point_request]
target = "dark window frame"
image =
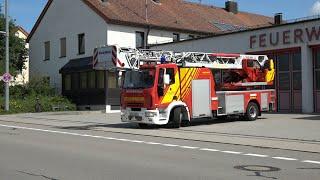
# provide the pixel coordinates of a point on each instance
(63, 55)
(176, 37)
(81, 44)
(142, 44)
(47, 50)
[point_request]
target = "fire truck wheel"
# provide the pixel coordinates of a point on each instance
(143, 126)
(252, 112)
(176, 117)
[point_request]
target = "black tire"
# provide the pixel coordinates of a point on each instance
(222, 118)
(176, 117)
(143, 126)
(252, 112)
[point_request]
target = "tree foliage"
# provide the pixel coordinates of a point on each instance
(18, 51)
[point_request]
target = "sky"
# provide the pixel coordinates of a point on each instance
(26, 12)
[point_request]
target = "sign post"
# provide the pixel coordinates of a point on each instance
(8, 76)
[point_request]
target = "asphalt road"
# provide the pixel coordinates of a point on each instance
(41, 152)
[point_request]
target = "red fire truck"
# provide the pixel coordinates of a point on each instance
(161, 87)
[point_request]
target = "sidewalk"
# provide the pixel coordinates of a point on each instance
(282, 131)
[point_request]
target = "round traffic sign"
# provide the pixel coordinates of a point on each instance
(6, 77)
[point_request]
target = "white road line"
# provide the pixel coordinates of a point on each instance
(188, 147)
(231, 152)
(169, 145)
(153, 143)
(211, 150)
(126, 140)
(285, 158)
(137, 141)
(313, 162)
(256, 155)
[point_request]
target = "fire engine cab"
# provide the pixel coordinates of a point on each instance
(161, 87)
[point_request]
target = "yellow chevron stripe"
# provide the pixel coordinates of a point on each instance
(188, 79)
(172, 91)
(193, 76)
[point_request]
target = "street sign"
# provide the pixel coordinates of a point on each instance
(6, 77)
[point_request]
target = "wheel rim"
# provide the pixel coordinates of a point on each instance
(252, 112)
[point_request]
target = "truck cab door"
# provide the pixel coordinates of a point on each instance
(169, 91)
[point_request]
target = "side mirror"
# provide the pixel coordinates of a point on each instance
(166, 79)
(120, 79)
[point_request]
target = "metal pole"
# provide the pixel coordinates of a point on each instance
(7, 54)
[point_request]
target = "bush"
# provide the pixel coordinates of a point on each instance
(23, 98)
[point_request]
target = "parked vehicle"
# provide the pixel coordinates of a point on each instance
(161, 87)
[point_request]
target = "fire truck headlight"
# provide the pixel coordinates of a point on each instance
(150, 114)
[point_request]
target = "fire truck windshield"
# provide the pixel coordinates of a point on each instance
(139, 79)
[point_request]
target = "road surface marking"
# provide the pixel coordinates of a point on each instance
(207, 149)
(137, 141)
(169, 145)
(153, 143)
(313, 162)
(231, 152)
(285, 158)
(256, 155)
(188, 147)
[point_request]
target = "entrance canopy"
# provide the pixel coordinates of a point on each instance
(76, 65)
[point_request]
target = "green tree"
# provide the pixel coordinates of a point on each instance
(18, 51)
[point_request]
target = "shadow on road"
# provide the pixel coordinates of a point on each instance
(309, 118)
(197, 122)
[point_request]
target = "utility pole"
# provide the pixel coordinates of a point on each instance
(7, 54)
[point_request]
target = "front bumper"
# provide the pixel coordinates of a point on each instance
(144, 116)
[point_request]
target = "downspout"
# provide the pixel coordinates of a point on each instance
(147, 37)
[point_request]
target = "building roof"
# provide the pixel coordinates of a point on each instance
(23, 31)
(174, 15)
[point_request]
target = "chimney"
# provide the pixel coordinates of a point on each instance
(278, 19)
(231, 6)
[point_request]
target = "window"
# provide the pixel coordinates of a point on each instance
(67, 82)
(81, 44)
(297, 81)
(176, 37)
(100, 79)
(170, 71)
(284, 81)
(140, 40)
(83, 80)
(63, 47)
(296, 61)
(112, 80)
(75, 81)
(47, 50)
(91, 79)
(160, 78)
(283, 61)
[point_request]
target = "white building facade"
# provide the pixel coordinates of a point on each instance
(295, 47)
(69, 19)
